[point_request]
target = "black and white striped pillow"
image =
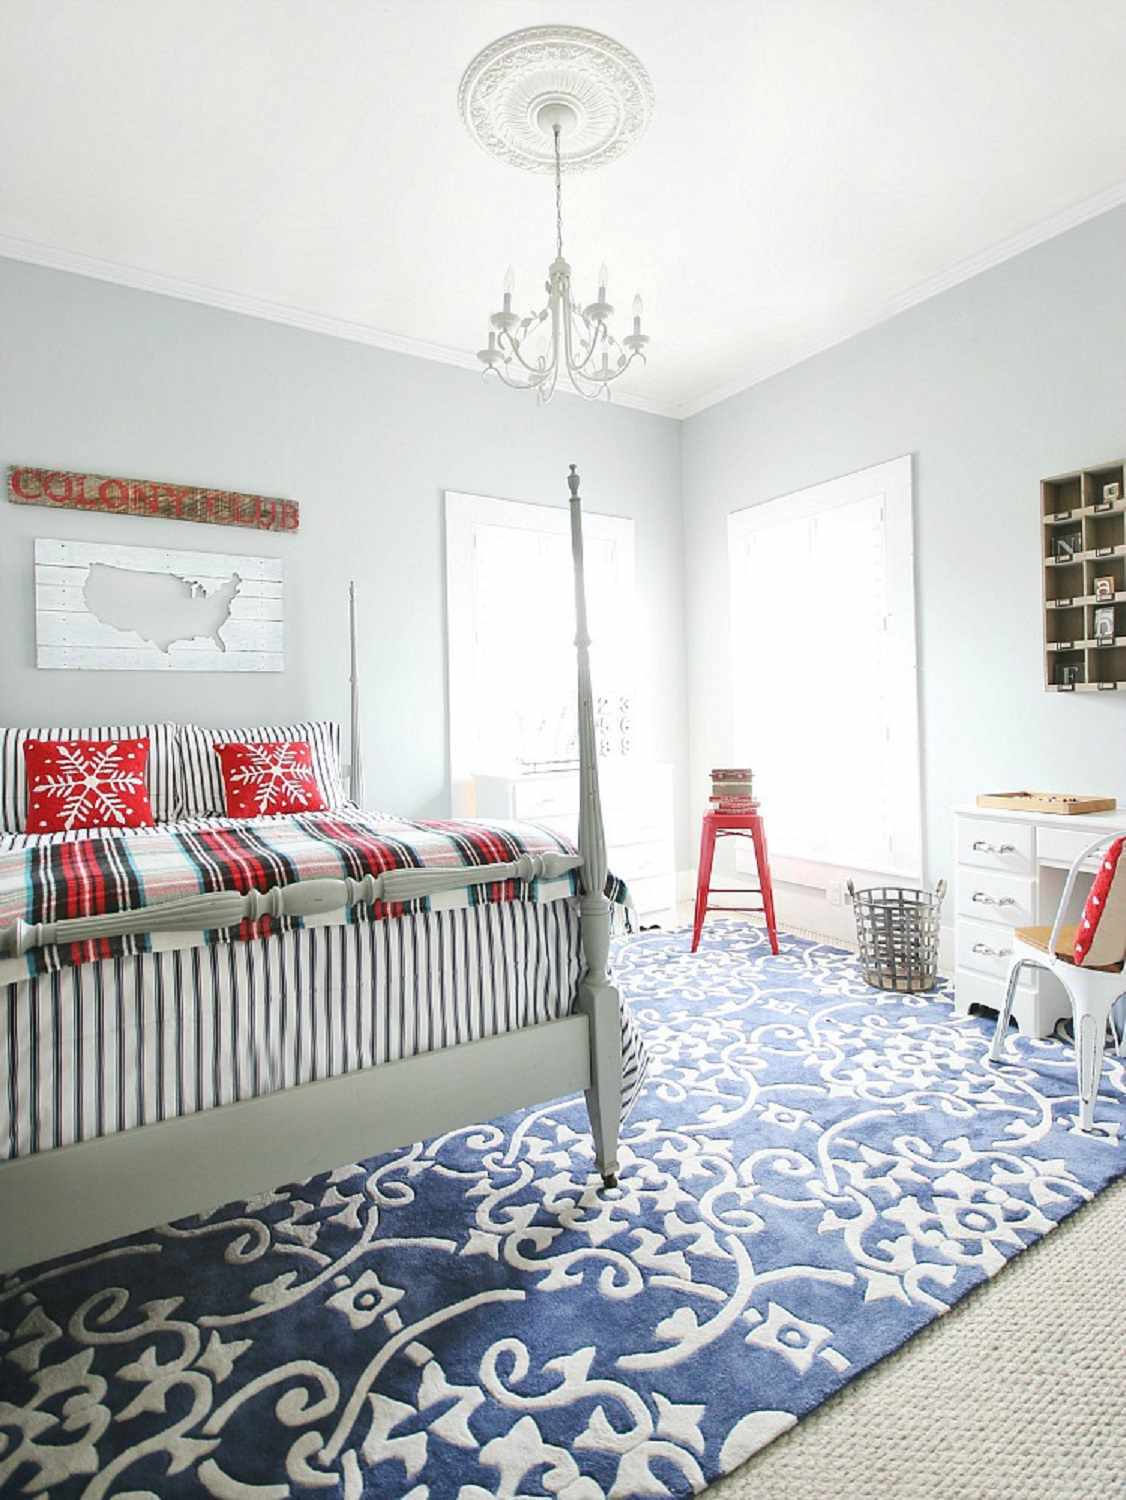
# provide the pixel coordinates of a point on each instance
(202, 778)
(161, 772)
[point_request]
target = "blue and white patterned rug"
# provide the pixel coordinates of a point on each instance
(813, 1172)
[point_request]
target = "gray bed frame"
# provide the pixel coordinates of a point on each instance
(55, 1202)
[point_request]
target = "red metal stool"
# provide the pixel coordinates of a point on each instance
(719, 825)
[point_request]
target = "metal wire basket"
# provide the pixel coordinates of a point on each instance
(897, 929)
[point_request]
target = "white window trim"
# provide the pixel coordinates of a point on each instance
(894, 480)
(465, 515)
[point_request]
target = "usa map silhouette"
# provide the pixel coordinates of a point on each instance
(162, 608)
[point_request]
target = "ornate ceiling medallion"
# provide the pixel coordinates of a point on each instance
(505, 89)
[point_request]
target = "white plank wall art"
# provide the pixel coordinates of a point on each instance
(157, 609)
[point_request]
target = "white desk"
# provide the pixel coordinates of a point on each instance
(1010, 873)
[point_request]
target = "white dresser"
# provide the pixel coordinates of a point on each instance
(637, 808)
(1010, 873)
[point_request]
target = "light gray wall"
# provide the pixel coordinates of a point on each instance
(1016, 374)
(101, 378)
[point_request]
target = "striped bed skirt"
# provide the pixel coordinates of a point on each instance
(129, 1041)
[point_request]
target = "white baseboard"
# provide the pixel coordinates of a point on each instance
(808, 914)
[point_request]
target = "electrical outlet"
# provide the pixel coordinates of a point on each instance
(835, 893)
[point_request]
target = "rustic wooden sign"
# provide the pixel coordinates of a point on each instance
(62, 490)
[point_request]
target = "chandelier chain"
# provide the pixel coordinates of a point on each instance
(558, 196)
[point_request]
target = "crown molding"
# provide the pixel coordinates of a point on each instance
(53, 258)
(56, 259)
(963, 270)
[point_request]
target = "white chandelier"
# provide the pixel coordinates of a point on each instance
(542, 98)
(562, 336)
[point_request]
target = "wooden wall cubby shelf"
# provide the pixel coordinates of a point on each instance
(1083, 537)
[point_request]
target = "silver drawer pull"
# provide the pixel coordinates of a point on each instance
(985, 900)
(984, 848)
(989, 952)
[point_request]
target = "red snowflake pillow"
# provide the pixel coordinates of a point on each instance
(268, 776)
(1101, 935)
(86, 784)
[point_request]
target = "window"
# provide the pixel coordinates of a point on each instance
(511, 633)
(824, 670)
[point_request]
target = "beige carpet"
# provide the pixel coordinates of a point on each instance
(1018, 1393)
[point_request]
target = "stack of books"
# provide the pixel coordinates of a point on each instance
(732, 791)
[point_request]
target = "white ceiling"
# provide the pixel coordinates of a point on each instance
(812, 165)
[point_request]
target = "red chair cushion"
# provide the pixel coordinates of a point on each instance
(1101, 935)
(86, 784)
(269, 776)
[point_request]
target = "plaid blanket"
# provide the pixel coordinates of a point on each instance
(48, 880)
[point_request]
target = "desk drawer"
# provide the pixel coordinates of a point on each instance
(1060, 846)
(990, 897)
(995, 846)
(985, 947)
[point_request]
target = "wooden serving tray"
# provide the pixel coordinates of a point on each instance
(1062, 803)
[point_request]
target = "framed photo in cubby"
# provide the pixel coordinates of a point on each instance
(1104, 587)
(1112, 491)
(1068, 673)
(1104, 622)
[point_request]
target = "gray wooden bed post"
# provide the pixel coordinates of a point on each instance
(598, 998)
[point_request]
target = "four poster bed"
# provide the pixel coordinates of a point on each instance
(273, 1020)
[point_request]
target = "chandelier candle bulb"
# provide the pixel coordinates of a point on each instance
(603, 278)
(492, 355)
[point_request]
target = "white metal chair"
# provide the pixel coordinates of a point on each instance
(1087, 958)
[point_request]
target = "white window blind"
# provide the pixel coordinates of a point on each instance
(511, 629)
(824, 670)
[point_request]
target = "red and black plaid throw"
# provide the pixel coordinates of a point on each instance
(51, 880)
